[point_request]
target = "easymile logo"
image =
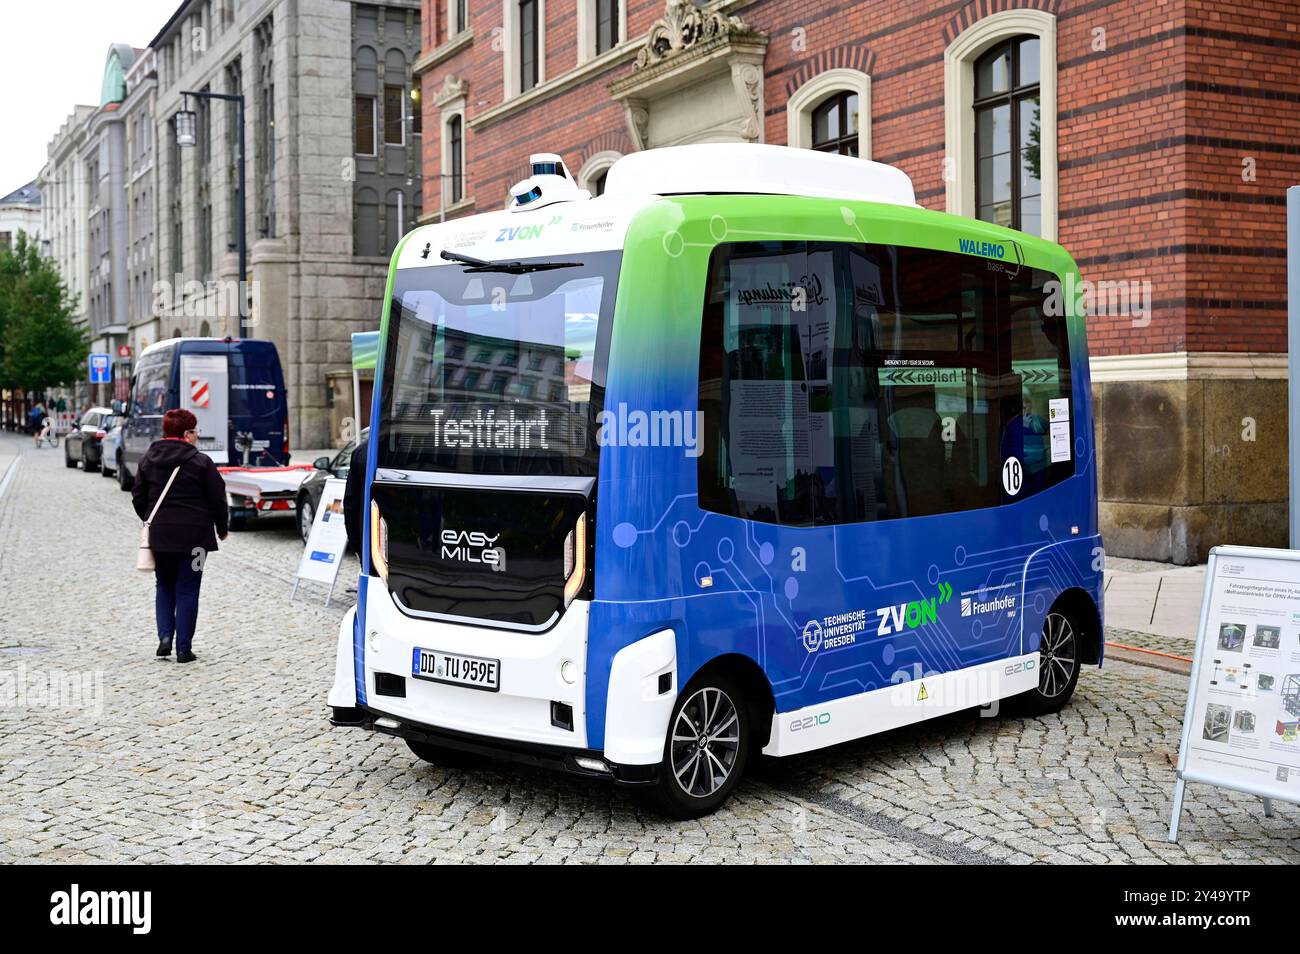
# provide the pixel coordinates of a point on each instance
(77, 907)
(473, 546)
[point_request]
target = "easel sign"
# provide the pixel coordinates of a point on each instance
(327, 541)
(1241, 728)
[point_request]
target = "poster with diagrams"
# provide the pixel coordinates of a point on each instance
(1242, 724)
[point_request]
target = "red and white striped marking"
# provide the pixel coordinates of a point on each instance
(199, 395)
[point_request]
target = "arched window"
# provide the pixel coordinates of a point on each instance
(595, 170)
(1000, 92)
(835, 125)
(832, 113)
(1008, 136)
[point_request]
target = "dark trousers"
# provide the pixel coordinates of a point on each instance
(176, 600)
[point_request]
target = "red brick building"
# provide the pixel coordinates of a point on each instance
(1154, 140)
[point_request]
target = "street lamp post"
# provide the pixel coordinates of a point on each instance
(186, 135)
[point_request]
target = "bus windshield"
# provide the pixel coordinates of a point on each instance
(497, 373)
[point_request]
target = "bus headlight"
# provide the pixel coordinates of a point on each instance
(575, 559)
(378, 542)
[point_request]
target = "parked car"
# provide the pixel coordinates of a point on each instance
(309, 493)
(82, 445)
(110, 448)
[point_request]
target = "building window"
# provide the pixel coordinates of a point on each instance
(265, 144)
(1000, 121)
(529, 45)
(457, 17)
(365, 223)
(595, 170)
(203, 190)
(832, 113)
(365, 126)
(607, 25)
(394, 115)
(456, 159)
(177, 256)
(1008, 136)
(234, 86)
(835, 125)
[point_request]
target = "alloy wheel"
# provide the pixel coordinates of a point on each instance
(705, 742)
(1058, 656)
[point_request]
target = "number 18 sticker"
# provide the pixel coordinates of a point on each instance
(1013, 476)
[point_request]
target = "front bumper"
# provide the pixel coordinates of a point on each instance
(551, 757)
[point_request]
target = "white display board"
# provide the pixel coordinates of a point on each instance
(205, 390)
(1241, 727)
(327, 541)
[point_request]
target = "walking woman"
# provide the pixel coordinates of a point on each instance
(181, 533)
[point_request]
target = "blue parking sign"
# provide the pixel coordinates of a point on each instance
(100, 369)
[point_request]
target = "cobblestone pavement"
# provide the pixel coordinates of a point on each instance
(231, 759)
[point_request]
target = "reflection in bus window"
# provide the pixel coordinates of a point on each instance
(497, 373)
(846, 383)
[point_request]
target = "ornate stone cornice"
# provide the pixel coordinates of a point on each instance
(685, 26)
(453, 89)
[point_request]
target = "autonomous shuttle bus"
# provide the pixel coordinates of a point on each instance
(751, 454)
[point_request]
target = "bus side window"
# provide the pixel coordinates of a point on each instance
(847, 383)
(1041, 433)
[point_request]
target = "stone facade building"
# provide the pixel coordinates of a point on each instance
(1153, 140)
(333, 180)
(20, 211)
(63, 214)
(104, 164)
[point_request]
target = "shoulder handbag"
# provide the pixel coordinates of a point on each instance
(144, 556)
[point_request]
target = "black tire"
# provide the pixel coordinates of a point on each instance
(441, 755)
(124, 479)
(1059, 663)
(306, 514)
(68, 462)
(104, 471)
(86, 465)
(236, 523)
(714, 707)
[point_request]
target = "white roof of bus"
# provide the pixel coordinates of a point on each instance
(572, 227)
(751, 168)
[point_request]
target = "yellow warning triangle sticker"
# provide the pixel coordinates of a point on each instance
(922, 695)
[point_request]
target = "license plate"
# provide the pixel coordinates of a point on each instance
(454, 669)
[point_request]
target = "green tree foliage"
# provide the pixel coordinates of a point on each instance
(40, 344)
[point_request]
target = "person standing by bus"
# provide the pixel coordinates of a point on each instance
(185, 529)
(354, 492)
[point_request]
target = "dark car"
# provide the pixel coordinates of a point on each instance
(83, 443)
(309, 493)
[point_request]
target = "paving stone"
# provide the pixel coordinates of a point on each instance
(231, 759)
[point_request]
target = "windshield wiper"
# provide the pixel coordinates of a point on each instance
(513, 268)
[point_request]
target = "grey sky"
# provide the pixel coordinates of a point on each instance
(54, 59)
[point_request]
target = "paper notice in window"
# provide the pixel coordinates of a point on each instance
(1058, 409)
(1060, 441)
